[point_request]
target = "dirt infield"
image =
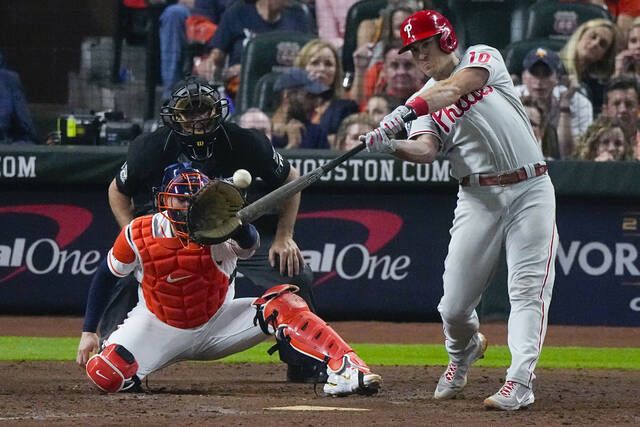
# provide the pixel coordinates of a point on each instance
(204, 393)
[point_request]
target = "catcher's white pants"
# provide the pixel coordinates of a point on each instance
(155, 344)
(522, 217)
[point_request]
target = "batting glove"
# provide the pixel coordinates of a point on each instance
(377, 141)
(392, 123)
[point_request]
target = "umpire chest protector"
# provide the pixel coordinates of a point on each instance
(182, 286)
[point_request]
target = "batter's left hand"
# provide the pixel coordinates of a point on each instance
(89, 343)
(286, 253)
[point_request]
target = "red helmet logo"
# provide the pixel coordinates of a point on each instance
(425, 24)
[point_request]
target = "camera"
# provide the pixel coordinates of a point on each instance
(96, 128)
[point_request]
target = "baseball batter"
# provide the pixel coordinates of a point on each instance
(187, 310)
(469, 113)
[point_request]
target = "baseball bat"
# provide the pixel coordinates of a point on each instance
(267, 202)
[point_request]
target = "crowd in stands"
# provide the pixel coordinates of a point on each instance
(582, 98)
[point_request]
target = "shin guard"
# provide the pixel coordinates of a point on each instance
(283, 313)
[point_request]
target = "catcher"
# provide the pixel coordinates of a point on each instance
(187, 310)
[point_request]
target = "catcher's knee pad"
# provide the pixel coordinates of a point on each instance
(111, 368)
(283, 313)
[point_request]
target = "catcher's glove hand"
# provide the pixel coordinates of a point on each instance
(211, 218)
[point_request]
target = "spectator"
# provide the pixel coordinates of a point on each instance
(624, 12)
(391, 18)
(300, 96)
(605, 140)
(351, 129)
(569, 111)
(173, 35)
(397, 78)
(628, 60)
(242, 21)
(545, 134)
(378, 107)
(322, 63)
(16, 125)
(254, 118)
(370, 31)
(589, 58)
(622, 97)
(331, 19)
(369, 56)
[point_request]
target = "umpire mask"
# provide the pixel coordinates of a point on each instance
(194, 112)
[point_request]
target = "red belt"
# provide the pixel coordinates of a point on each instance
(508, 178)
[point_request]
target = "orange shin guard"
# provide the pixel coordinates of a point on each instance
(285, 314)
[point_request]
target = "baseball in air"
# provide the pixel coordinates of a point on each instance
(241, 178)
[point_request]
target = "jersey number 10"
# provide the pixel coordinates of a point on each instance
(483, 58)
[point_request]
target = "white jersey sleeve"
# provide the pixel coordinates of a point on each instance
(487, 57)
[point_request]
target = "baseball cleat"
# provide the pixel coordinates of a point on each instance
(351, 379)
(511, 397)
(454, 378)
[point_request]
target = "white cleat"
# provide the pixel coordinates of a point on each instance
(351, 379)
(511, 397)
(455, 376)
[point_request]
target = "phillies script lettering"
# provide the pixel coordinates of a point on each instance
(447, 116)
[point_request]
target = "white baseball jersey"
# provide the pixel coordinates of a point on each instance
(485, 131)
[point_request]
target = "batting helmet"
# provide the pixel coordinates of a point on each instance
(425, 24)
(195, 111)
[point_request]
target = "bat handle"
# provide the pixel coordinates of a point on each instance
(409, 116)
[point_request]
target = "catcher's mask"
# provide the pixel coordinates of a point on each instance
(173, 200)
(195, 111)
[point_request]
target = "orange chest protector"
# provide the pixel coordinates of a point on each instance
(182, 286)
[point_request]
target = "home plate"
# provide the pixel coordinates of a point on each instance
(313, 408)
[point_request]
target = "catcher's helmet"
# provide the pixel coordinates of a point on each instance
(174, 198)
(425, 24)
(195, 111)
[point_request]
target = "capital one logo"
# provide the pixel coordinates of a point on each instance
(363, 258)
(47, 254)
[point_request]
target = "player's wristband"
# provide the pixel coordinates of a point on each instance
(419, 105)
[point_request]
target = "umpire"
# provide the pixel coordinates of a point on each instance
(195, 132)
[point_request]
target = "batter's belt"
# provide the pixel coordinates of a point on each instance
(507, 178)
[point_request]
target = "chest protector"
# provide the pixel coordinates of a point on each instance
(182, 286)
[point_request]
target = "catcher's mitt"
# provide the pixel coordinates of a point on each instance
(211, 218)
